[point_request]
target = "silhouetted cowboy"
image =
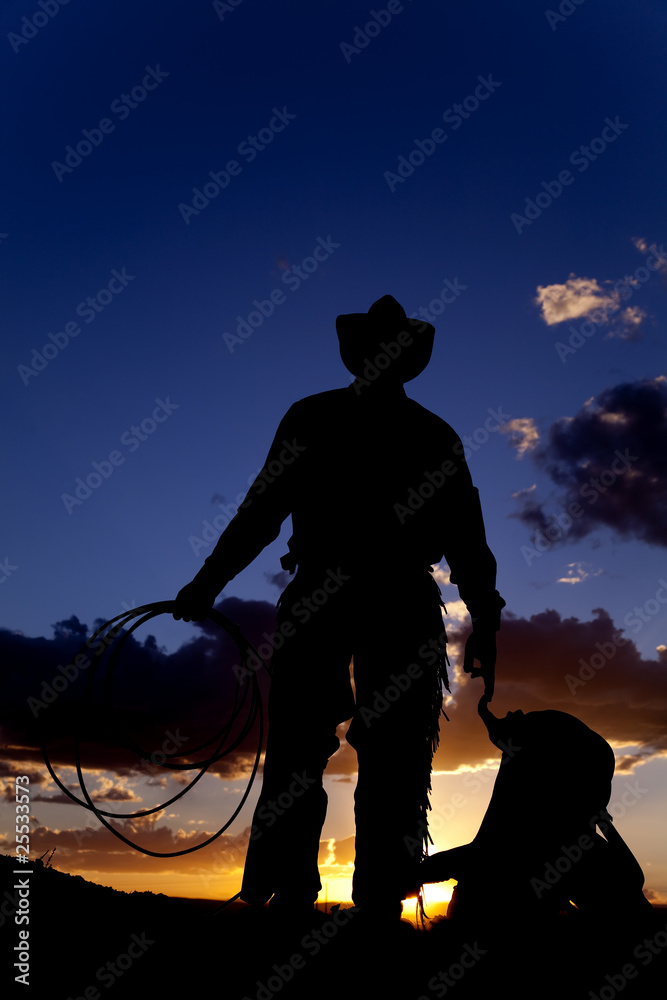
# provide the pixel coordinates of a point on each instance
(379, 491)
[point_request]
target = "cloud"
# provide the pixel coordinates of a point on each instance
(577, 573)
(336, 854)
(655, 256)
(577, 297)
(162, 702)
(524, 435)
(110, 791)
(336, 865)
(520, 494)
(107, 791)
(95, 849)
(629, 325)
(624, 699)
(601, 302)
(534, 657)
(279, 579)
(584, 297)
(609, 463)
(9, 769)
(441, 575)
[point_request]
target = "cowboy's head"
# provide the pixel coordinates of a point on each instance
(384, 346)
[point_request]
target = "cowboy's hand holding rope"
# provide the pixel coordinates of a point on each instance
(481, 645)
(194, 601)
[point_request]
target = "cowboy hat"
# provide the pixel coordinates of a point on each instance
(386, 339)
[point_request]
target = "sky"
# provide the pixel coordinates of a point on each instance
(194, 192)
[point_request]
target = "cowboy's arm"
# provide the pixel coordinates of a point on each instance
(256, 524)
(473, 569)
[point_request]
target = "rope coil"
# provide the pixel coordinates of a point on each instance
(112, 636)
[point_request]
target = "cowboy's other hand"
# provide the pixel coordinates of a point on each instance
(194, 602)
(481, 646)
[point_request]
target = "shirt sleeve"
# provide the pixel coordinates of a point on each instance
(260, 516)
(471, 562)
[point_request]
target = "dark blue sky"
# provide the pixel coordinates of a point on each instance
(321, 178)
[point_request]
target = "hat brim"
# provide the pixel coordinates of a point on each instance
(398, 351)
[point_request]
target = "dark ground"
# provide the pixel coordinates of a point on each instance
(86, 940)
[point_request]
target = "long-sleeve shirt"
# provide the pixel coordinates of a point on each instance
(371, 480)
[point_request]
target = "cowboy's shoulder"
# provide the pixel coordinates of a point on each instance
(320, 402)
(432, 421)
(311, 414)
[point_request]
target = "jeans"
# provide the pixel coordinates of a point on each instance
(396, 641)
